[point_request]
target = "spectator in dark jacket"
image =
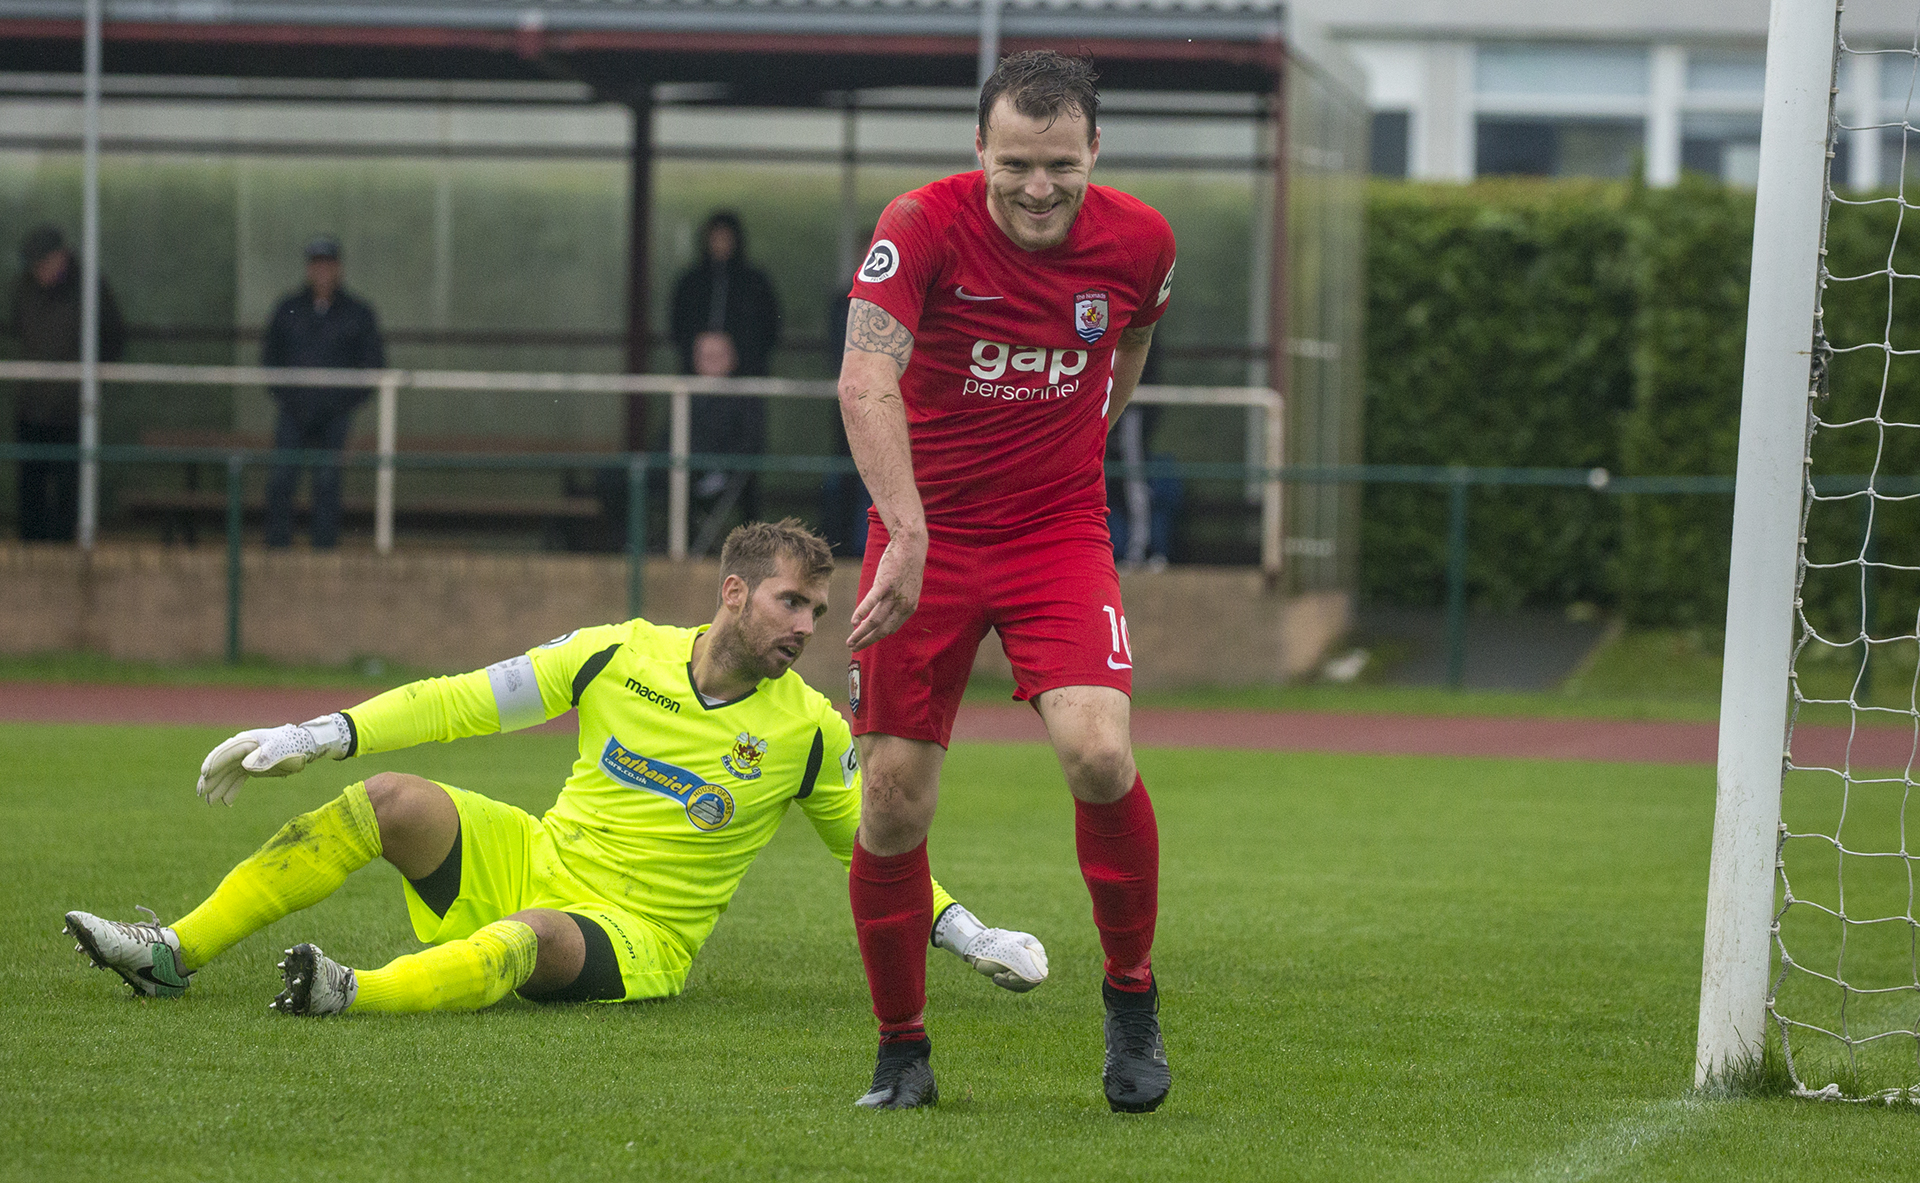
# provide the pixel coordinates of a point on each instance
(45, 320)
(321, 325)
(726, 322)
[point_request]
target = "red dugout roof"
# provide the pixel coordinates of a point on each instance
(762, 51)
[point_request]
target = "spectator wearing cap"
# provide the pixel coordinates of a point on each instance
(45, 320)
(320, 326)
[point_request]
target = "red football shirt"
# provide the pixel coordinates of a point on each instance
(1006, 394)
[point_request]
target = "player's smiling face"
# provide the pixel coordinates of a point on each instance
(1037, 172)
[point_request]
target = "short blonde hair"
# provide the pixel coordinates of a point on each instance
(753, 551)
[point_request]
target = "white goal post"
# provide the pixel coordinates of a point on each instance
(1771, 479)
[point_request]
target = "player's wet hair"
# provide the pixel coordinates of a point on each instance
(1043, 84)
(753, 551)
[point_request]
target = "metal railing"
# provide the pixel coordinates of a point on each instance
(680, 390)
(1457, 481)
(678, 461)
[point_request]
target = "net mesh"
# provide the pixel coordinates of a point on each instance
(1846, 995)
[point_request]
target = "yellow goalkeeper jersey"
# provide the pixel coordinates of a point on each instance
(672, 796)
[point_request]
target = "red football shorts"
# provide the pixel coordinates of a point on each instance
(1053, 597)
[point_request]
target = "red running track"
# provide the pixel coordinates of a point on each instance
(1629, 741)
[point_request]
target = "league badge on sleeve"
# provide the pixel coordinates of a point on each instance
(882, 261)
(1090, 316)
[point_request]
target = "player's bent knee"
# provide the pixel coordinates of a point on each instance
(1100, 772)
(418, 821)
(892, 823)
(401, 800)
(388, 792)
(900, 788)
(562, 950)
(895, 812)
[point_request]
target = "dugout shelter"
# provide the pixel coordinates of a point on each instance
(827, 54)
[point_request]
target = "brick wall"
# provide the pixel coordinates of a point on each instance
(1189, 626)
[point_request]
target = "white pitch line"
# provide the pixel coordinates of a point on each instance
(1619, 1145)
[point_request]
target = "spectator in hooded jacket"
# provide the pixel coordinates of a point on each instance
(45, 320)
(726, 322)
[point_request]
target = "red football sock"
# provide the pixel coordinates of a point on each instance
(1119, 847)
(892, 914)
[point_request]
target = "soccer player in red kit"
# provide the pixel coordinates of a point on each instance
(998, 326)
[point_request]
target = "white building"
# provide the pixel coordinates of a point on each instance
(1467, 88)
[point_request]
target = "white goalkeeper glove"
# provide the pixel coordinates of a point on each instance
(271, 751)
(1015, 960)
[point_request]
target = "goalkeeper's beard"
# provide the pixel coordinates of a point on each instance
(734, 648)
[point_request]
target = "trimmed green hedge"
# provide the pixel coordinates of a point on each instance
(1498, 333)
(1688, 251)
(1569, 324)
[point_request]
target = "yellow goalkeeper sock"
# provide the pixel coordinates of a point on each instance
(304, 863)
(459, 975)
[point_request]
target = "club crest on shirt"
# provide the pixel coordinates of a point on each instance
(1090, 316)
(853, 685)
(744, 760)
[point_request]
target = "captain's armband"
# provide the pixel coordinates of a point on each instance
(516, 692)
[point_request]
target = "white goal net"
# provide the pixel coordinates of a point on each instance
(1844, 990)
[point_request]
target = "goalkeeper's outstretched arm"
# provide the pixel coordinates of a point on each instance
(505, 696)
(272, 751)
(442, 709)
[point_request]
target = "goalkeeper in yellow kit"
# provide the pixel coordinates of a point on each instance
(693, 742)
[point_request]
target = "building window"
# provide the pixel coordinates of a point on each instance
(1899, 80)
(1725, 147)
(1533, 69)
(1387, 150)
(1514, 146)
(1898, 147)
(1728, 72)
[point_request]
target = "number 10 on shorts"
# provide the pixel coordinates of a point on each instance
(1122, 656)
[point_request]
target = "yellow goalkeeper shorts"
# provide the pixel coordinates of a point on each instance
(508, 863)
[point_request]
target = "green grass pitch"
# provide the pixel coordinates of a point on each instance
(1373, 968)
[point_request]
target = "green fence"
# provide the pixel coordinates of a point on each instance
(1453, 483)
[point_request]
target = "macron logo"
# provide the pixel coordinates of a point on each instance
(653, 696)
(960, 290)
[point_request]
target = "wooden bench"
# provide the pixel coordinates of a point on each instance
(181, 511)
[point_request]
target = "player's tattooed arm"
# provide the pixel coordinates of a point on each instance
(877, 352)
(872, 329)
(1129, 359)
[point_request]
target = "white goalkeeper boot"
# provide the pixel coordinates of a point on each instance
(316, 984)
(146, 954)
(1014, 960)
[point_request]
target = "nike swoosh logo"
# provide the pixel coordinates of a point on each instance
(1118, 665)
(960, 290)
